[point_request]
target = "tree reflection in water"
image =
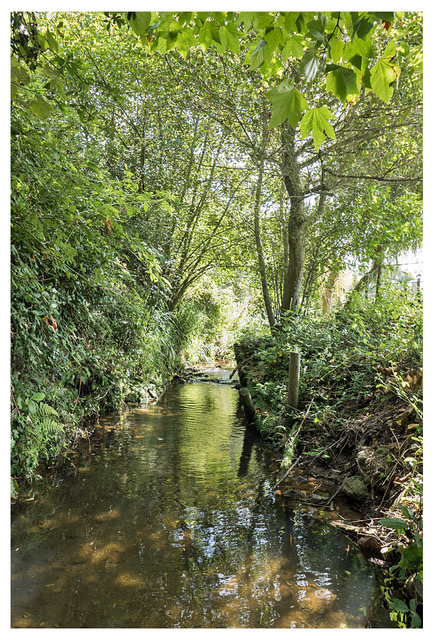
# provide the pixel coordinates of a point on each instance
(170, 522)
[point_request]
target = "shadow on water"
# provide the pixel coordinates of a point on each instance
(169, 522)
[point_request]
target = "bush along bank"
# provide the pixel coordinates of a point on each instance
(70, 368)
(358, 422)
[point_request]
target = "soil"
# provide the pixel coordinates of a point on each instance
(365, 473)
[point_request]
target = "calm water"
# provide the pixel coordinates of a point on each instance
(168, 521)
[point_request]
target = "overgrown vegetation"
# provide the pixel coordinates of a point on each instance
(360, 411)
(180, 181)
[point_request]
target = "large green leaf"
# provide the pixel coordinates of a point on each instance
(400, 606)
(361, 25)
(206, 35)
(385, 73)
(184, 40)
(342, 82)
(288, 103)
(246, 18)
(310, 64)
(229, 37)
(19, 74)
(274, 38)
(264, 19)
(389, 16)
(317, 121)
(293, 47)
(393, 523)
(140, 21)
(41, 108)
(257, 57)
(336, 49)
(37, 397)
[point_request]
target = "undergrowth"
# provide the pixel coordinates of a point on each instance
(356, 362)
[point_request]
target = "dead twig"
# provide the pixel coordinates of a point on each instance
(286, 474)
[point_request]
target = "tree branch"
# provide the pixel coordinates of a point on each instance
(365, 177)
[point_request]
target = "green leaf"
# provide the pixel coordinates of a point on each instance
(389, 16)
(400, 606)
(309, 64)
(293, 47)
(37, 397)
(336, 49)
(184, 41)
(288, 103)
(257, 57)
(317, 121)
(416, 621)
(291, 18)
(230, 37)
(19, 74)
(246, 18)
(342, 82)
(264, 19)
(393, 523)
(274, 39)
(384, 74)
(361, 27)
(40, 107)
(140, 22)
(205, 35)
(54, 46)
(161, 45)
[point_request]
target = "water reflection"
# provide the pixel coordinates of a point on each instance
(169, 522)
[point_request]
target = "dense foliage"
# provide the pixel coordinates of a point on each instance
(360, 395)
(182, 180)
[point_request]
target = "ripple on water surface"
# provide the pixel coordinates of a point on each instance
(168, 521)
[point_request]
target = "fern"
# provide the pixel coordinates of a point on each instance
(44, 418)
(44, 410)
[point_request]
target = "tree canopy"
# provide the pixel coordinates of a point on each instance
(255, 152)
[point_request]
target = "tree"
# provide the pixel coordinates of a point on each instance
(361, 128)
(303, 63)
(268, 40)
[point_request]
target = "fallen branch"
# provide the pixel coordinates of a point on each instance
(298, 459)
(286, 474)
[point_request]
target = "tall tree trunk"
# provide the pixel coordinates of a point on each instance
(297, 222)
(256, 211)
(261, 262)
(327, 293)
(377, 288)
(369, 275)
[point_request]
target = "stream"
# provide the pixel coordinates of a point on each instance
(166, 519)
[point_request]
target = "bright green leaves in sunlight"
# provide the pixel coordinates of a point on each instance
(229, 37)
(342, 82)
(331, 48)
(310, 64)
(40, 107)
(288, 103)
(317, 122)
(139, 22)
(385, 73)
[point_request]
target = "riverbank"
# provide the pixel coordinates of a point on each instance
(179, 527)
(359, 429)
